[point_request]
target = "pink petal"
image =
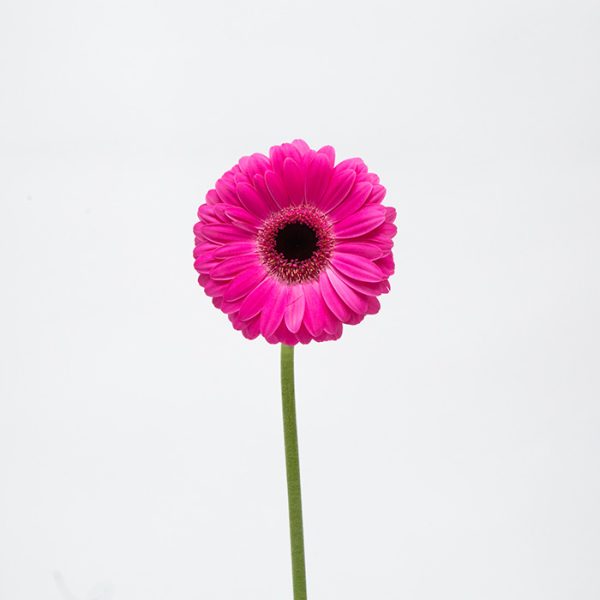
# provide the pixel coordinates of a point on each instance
(198, 231)
(295, 309)
(304, 337)
(263, 190)
(274, 310)
(204, 248)
(231, 267)
(212, 197)
(223, 234)
(277, 189)
(226, 190)
(356, 164)
(386, 264)
(366, 287)
(230, 307)
(252, 328)
(277, 156)
(335, 331)
(213, 213)
(360, 223)
(332, 300)
(321, 319)
(389, 229)
(243, 218)
(208, 214)
(294, 180)
(206, 262)
(382, 236)
(379, 237)
(356, 318)
(351, 298)
(357, 267)
(314, 310)
(255, 301)
(253, 165)
(378, 194)
(352, 203)
(291, 151)
(244, 283)
(332, 323)
(302, 146)
(213, 287)
(374, 305)
(235, 249)
(390, 214)
(340, 185)
(284, 336)
(252, 200)
(317, 178)
(365, 249)
(329, 152)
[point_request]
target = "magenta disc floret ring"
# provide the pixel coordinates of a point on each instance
(296, 243)
(292, 246)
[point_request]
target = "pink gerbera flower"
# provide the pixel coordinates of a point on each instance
(291, 246)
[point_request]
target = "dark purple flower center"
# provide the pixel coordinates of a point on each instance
(295, 243)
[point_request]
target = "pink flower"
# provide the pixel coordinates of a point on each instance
(291, 247)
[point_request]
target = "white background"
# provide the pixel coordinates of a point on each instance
(450, 445)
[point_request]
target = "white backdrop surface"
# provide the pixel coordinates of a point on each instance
(450, 445)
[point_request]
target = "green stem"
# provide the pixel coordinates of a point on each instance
(292, 465)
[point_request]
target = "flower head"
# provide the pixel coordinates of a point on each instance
(292, 246)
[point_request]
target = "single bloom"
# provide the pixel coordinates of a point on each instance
(292, 246)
